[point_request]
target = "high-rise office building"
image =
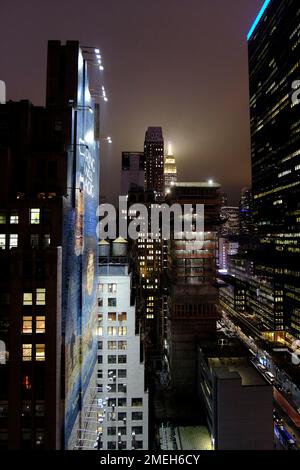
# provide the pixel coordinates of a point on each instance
(230, 221)
(246, 212)
(148, 253)
(49, 164)
(274, 55)
(122, 405)
(170, 170)
(229, 231)
(193, 311)
(154, 161)
(133, 171)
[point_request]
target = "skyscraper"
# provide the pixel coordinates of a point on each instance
(170, 170)
(194, 297)
(50, 165)
(231, 220)
(154, 161)
(246, 212)
(274, 55)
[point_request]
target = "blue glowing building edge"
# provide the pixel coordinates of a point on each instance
(258, 18)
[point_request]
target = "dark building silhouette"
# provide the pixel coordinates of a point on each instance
(274, 54)
(49, 164)
(133, 171)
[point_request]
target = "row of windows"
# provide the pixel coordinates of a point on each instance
(135, 430)
(38, 299)
(111, 302)
(117, 345)
(11, 240)
(111, 288)
(122, 416)
(114, 331)
(112, 445)
(111, 373)
(33, 326)
(27, 409)
(29, 352)
(135, 402)
(34, 217)
(112, 316)
(8, 240)
(122, 359)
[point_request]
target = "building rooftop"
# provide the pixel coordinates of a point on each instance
(203, 184)
(223, 347)
(246, 371)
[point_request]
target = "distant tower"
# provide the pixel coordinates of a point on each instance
(170, 170)
(154, 161)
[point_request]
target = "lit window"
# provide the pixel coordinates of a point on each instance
(40, 296)
(2, 218)
(112, 288)
(27, 325)
(2, 241)
(27, 298)
(14, 218)
(13, 240)
(100, 288)
(111, 331)
(35, 216)
(122, 316)
(122, 345)
(100, 331)
(40, 352)
(112, 316)
(112, 345)
(26, 352)
(122, 331)
(40, 325)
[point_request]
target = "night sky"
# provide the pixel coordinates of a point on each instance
(179, 64)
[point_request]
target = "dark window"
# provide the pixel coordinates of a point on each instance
(52, 170)
(121, 416)
(122, 373)
(112, 359)
(112, 302)
(111, 431)
(136, 402)
(122, 359)
(122, 402)
(111, 445)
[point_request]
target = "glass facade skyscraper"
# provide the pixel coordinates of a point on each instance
(274, 66)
